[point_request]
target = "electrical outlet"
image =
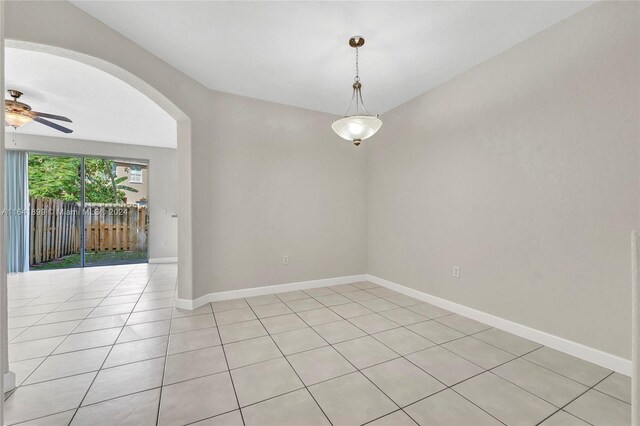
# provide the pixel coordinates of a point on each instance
(456, 272)
(285, 260)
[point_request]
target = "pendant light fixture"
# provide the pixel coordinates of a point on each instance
(357, 126)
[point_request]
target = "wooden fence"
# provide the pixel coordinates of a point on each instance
(54, 229)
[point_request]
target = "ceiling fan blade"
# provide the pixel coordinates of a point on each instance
(51, 116)
(52, 125)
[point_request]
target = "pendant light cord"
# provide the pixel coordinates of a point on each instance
(357, 93)
(357, 77)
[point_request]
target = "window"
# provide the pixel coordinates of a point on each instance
(135, 175)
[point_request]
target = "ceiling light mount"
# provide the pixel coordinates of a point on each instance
(356, 126)
(356, 41)
(15, 94)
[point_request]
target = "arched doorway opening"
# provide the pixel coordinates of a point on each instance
(183, 138)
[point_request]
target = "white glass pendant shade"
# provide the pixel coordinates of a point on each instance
(356, 128)
(16, 119)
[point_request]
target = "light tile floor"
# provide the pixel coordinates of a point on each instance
(105, 346)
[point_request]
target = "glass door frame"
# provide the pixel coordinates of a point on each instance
(82, 158)
(83, 219)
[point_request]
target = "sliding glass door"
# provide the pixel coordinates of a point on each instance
(86, 211)
(116, 220)
(55, 201)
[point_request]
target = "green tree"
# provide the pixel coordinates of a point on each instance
(102, 185)
(59, 178)
(54, 177)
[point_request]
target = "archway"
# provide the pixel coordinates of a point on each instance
(183, 138)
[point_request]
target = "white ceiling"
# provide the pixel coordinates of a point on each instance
(101, 106)
(296, 53)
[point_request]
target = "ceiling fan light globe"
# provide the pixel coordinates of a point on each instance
(16, 119)
(356, 127)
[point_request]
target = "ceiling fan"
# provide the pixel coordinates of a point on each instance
(17, 114)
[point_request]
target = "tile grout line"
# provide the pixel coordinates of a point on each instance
(45, 315)
(92, 371)
(382, 343)
(571, 401)
(89, 405)
(289, 363)
(101, 329)
(166, 349)
(98, 329)
(226, 360)
(562, 375)
(369, 335)
(61, 342)
(436, 344)
(109, 353)
(135, 362)
(217, 415)
(468, 378)
(47, 356)
(366, 335)
(472, 335)
(404, 357)
(448, 387)
(604, 393)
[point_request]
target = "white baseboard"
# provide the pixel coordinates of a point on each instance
(270, 289)
(9, 381)
(163, 260)
(595, 356)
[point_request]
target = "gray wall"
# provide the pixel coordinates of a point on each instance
(163, 187)
(524, 172)
(275, 180)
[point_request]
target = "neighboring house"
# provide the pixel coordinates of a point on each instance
(137, 174)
